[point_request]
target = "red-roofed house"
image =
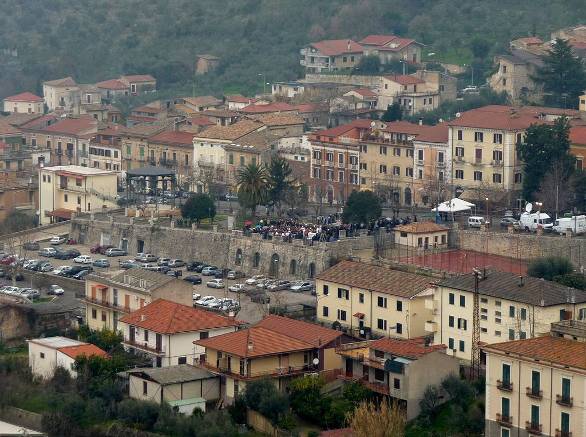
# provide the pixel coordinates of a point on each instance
(63, 94)
(331, 55)
(399, 369)
(166, 331)
(391, 48)
(139, 83)
(26, 103)
(236, 102)
(578, 144)
(113, 88)
(411, 92)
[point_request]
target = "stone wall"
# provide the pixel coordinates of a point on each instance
(24, 418)
(349, 79)
(19, 321)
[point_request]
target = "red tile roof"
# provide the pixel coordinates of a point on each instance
(366, 92)
(342, 129)
(412, 349)
(173, 137)
(404, 79)
(166, 317)
(74, 126)
(578, 135)
(87, 350)
(271, 107)
(311, 107)
(255, 341)
(340, 432)
(200, 121)
(434, 134)
(237, 98)
(112, 84)
(496, 117)
(309, 332)
(421, 228)
(334, 47)
(378, 40)
(547, 349)
(148, 109)
(7, 129)
(24, 97)
(139, 78)
(397, 44)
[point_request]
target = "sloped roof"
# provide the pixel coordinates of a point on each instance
(334, 47)
(87, 350)
(271, 107)
(112, 84)
(412, 349)
(342, 129)
(73, 126)
(311, 333)
(166, 317)
(237, 98)
(421, 228)
(231, 132)
(24, 97)
(378, 40)
(578, 135)
(139, 78)
(376, 278)
(495, 117)
(64, 82)
(172, 374)
(279, 119)
(173, 137)
(404, 79)
(7, 129)
(365, 92)
(203, 101)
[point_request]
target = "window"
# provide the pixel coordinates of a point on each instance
(361, 297)
(94, 313)
(497, 178)
(382, 169)
(379, 374)
(534, 416)
(399, 305)
(65, 198)
(462, 324)
(364, 148)
(497, 333)
(565, 423)
(182, 360)
(535, 381)
(230, 158)
(450, 343)
(343, 293)
(399, 328)
(566, 392)
(42, 355)
(396, 171)
(382, 150)
(79, 200)
(497, 138)
(462, 301)
(396, 151)
(460, 135)
(326, 290)
(523, 313)
(420, 154)
(478, 137)
(203, 335)
(325, 311)
(518, 178)
(341, 315)
(242, 162)
(511, 311)
(145, 388)
(506, 375)
(316, 172)
(497, 156)
(409, 172)
(341, 176)
(382, 302)
(103, 316)
(522, 335)
(396, 383)
(461, 345)
(460, 152)
(505, 407)
(381, 324)
(451, 298)
(459, 174)
(478, 176)
(451, 321)
(146, 335)
(511, 334)
(330, 156)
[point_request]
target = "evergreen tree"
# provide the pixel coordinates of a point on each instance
(253, 183)
(198, 207)
(393, 113)
(362, 207)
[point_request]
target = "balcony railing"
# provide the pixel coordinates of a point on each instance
(560, 433)
(144, 347)
(505, 420)
(107, 304)
(533, 428)
(534, 393)
(504, 385)
(565, 401)
(277, 372)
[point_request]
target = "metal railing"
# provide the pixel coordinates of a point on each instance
(534, 392)
(566, 401)
(533, 428)
(504, 385)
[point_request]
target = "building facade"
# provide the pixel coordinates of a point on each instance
(24, 103)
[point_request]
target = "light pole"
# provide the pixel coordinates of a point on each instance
(264, 82)
(472, 71)
(487, 212)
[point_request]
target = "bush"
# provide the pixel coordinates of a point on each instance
(138, 414)
(574, 280)
(264, 397)
(459, 391)
(429, 402)
(549, 267)
(362, 207)
(238, 410)
(198, 207)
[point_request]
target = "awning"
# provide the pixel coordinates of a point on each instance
(61, 213)
(359, 315)
(454, 205)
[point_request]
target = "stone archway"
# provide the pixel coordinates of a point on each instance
(274, 268)
(407, 197)
(256, 260)
(311, 270)
(293, 267)
(238, 259)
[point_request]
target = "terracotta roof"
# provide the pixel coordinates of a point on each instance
(144, 130)
(173, 137)
(24, 97)
(41, 122)
(200, 121)
(220, 113)
(17, 119)
(505, 285)
(74, 126)
(404, 79)
(342, 129)
(421, 228)
(271, 107)
(412, 349)
(166, 317)
(279, 119)
(64, 82)
(547, 349)
(311, 333)
(112, 84)
(255, 341)
(434, 134)
(397, 44)
(340, 432)
(142, 118)
(405, 127)
(203, 101)
(376, 278)
(261, 140)
(311, 107)
(237, 98)
(578, 135)
(87, 350)
(139, 78)
(148, 109)
(334, 47)
(378, 40)
(231, 132)
(366, 92)
(7, 129)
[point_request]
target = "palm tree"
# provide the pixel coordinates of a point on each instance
(253, 184)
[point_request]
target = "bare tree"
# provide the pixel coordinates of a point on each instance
(555, 190)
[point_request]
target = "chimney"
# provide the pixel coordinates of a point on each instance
(348, 45)
(421, 122)
(250, 346)
(521, 281)
(142, 317)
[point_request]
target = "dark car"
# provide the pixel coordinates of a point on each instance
(81, 275)
(17, 277)
(31, 245)
(200, 267)
(193, 279)
(76, 269)
(221, 273)
(67, 254)
(100, 249)
(192, 265)
(260, 298)
(128, 264)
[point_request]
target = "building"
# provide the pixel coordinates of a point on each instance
(391, 48)
(511, 308)
(109, 299)
(370, 300)
(66, 189)
(105, 149)
(27, 103)
(201, 103)
(165, 331)
(265, 108)
(139, 83)
(578, 145)
(398, 369)
(282, 124)
(411, 92)
(235, 102)
(62, 94)
(331, 55)
(135, 153)
(514, 76)
(206, 63)
(535, 387)
(425, 235)
(173, 149)
(45, 355)
(113, 89)
(191, 385)
(17, 194)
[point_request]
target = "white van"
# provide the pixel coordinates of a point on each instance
(530, 221)
(575, 224)
(476, 221)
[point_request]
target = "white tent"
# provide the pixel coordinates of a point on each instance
(454, 205)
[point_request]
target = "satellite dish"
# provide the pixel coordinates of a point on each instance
(458, 114)
(372, 124)
(315, 361)
(529, 207)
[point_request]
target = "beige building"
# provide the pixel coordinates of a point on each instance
(511, 308)
(398, 369)
(425, 235)
(412, 93)
(24, 103)
(139, 83)
(63, 94)
(331, 55)
(109, 299)
(371, 300)
(45, 355)
(514, 77)
(66, 189)
(135, 153)
(536, 387)
(165, 331)
(391, 48)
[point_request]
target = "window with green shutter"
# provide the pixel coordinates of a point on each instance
(565, 423)
(506, 374)
(505, 407)
(535, 381)
(534, 415)
(566, 389)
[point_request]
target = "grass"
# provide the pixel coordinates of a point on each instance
(20, 350)
(43, 299)
(458, 56)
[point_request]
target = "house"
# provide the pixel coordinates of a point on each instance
(206, 63)
(26, 102)
(105, 149)
(535, 386)
(578, 145)
(411, 92)
(314, 114)
(45, 355)
(514, 76)
(400, 370)
(107, 299)
(17, 193)
(201, 103)
(265, 108)
(172, 149)
(66, 189)
(183, 386)
(331, 55)
(165, 331)
(391, 48)
(422, 235)
(236, 102)
(282, 124)
(139, 83)
(275, 348)
(370, 300)
(135, 153)
(112, 89)
(63, 94)
(511, 308)
(221, 117)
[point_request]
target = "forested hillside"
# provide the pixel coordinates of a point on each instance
(97, 39)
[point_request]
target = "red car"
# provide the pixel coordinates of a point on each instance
(100, 249)
(7, 260)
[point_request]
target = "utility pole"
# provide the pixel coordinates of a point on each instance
(475, 368)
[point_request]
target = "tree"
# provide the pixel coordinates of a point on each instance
(369, 64)
(264, 397)
(280, 181)
(556, 188)
(458, 390)
(393, 113)
(198, 207)
(479, 47)
(16, 221)
(549, 267)
(252, 183)
(385, 421)
(574, 280)
(429, 401)
(562, 76)
(362, 207)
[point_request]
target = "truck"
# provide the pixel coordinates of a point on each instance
(575, 224)
(531, 221)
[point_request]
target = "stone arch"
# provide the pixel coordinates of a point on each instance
(256, 260)
(238, 259)
(274, 268)
(293, 267)
(311, 270)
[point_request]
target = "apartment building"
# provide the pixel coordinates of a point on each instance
(511, 308)
(134, 140)
(412, 93)
(164, 331)
(26, 103)
(63, 94)
(105, 150)
(370, 300)
(331, 55)
(536, 387)
(173, 149)
(400, 370)
(391, 48)
(65, 189)
(109, 299)
(578, 145)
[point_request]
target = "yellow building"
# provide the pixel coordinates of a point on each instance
(536, 387)
(511, 308)
(135, 152)
(66, 189)
(367, 299)
(422, 234)
(109, 299)
(24, 103)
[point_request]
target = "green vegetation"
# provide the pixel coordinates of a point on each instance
(198, 207)
(253, 182)
(393, 113)
(280, 181)
(16, 221)
(362, 207)
(549, 267)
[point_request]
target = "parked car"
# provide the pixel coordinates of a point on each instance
(196, 296)
(83, 259)
(174, 273)
(176, 263)
(55, 290)
(279, 285)
(193, 279)
(45, 267)
(264, 283)
(7, 289)
(192, 265)
(31, 245)
(507, 221)
(200, 267)
(235, 274)
(30, 293)
(8, 260)
(81, 275)
(115, 251)
(139, 255)
(74, 270)
(236, 288)
(148, 258)
(253, 280)
(206, 300)
(476, 221)
(164, 261)
(261, 297)
(101, 249)
(102, 262)
(128, 264)
(209, 271)
(61, 270)
(221, 273)
(56, 240)
(47, 252)
(215, 283)
(67, 254)
(301, 286)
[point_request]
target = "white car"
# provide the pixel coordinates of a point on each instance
(10, 290)
(236, 288)
(57, 240)
(206, 300)
(56, 290)
(83, 259)
(255, 279)
(301, 286)
(215, 283)
(196, 296)
(61, 270)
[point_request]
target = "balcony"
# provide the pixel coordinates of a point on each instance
(559, 433)
(477, 161)
(274, 373)
(497, 162)
(533, 428)
(430, 326)
(104, 303)
(534, 393)
(353, 166)
(441, 164)
(459, 159)
(143, 346)
(504, 420)
(504, 385)
(168, 162)
(564, 401)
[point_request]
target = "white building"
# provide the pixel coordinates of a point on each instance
(24, 103)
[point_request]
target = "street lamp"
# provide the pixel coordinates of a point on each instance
(487, 212)
(264, 82)
(472, 71)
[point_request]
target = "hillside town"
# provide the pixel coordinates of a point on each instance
(336, 255)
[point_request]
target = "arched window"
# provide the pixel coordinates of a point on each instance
(238, 260)
(311, 272)
(274, 270)
(293, 267)
(407, 196)
(256, 260)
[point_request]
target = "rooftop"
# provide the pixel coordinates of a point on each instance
(434, 134)
(376, 278)
(342, 129)
(173, 138)
(404, 79)
(231, 132)
(56, 342)
(137, 278)
(508, 286)
(139, 78)
(279, 119)
(24, 97)
(172, 374)
(421, 228)
(64, 82)
(309, 332)
(85, 349)
(237, 98)
(203, 101)
(166, 317)
(112, 84)
(73, 126)
(334, 47)
(578, 135)
(78, 170)
(270, 107)
(412, 349)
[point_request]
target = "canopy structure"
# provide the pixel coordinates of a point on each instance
(454, 205)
